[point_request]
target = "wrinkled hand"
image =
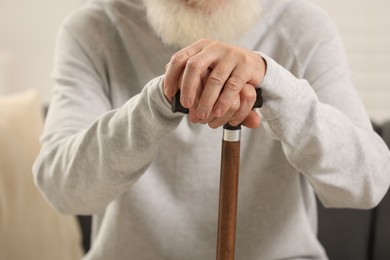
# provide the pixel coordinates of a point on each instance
(217, 83)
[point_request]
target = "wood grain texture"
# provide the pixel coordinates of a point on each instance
(230, 163)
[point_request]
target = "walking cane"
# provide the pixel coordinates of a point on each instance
(228, 190)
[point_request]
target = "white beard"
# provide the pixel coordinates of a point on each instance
(179, 25)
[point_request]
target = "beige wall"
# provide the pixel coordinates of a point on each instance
(27, 37)
(365, 28)
(28, 29)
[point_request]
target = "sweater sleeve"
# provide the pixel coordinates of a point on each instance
(323, 128)
(90, 153)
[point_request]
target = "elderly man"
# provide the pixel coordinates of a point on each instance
(112, 147)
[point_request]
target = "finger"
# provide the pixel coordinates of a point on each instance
(214, 84)
(191, 81)
(175, 68)
(192, 115)
(247, 100)
(253, 120)
(194, 70)
(220, 121)
(233, 86)
(259, 67)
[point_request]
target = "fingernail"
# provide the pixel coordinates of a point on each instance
(166, 92)
(234, 123)
(201, 113)
(218, 112)
(186, 102)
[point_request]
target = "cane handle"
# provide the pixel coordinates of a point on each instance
(177, 107)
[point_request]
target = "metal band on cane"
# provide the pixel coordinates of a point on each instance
(231, 135)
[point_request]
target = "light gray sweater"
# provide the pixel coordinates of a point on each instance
(112, 147)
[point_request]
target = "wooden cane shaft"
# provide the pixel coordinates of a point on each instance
(230, 163)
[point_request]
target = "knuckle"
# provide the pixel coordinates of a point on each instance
(216, 44)
(234, 84)
(203, 41)
(194, 64)
(225, 104)
(228, 107)
(179, 58)
(249, 96)
(247, 59)
(216, 79)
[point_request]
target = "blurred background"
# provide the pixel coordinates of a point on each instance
(364, 26)
(27, 38)
(28, 30)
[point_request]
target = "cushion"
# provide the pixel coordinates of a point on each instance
(30, 228)
(382, 228)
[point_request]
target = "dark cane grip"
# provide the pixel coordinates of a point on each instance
(177, 107)
(259, 99)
